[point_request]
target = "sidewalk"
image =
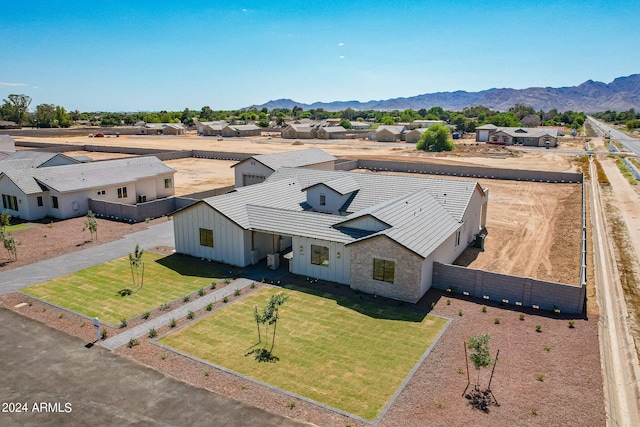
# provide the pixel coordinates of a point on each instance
(156, 235)
(164, 319)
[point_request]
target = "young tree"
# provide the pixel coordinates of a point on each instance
(269, 316)
(136, 264)
(91, 224)
(480, 356)
(436, 138)
(11, 245)
(5, 221)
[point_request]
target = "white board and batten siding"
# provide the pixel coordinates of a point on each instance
(229, 240)
(338, 270)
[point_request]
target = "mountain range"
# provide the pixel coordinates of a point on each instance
(620, 95)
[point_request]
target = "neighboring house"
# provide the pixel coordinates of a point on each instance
(9, 125)
(525, 136)
(356, 125)
(256, 169)
(376, 233)
(163, 129)
(300, 131)
(332, 132)
(211, 128)
(7, 146)
(389, 133)
(413, 136)
(485, 131)
(426, 123)
(241, 130)
(35, 185)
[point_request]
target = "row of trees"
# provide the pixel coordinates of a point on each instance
(16, 108)
(629, 118)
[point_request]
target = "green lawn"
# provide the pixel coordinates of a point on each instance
(335, 350)
(93, 291)
(16, 227)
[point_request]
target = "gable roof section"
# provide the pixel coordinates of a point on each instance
(397, 130)
(375, 188)
(529, 132)
(343, 185)
(68, 178)
(296, 158)
(24, 159)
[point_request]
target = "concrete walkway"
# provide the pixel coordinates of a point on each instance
(16, 279)
(180, 312)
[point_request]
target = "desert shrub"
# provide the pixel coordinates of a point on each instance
(153, 333)
(521, 317)
(186, 298)
(123, 323)
(104, 334)
(146, 315)
(459, 312)
(540, 377)
(190, 314)
(124, 292)
(484, 308)
(225, 299)
(291, 404)
(571, 324)
(201, 292)
(227, 281)
(496, 321)
(209, 307)
(173, 323)
(213, 285)
(253, 285)
(538, 328)
(133, 342)
(236, 292)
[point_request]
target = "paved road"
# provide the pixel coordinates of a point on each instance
(633, 144)
(94, 387)
(619, 361)
(156, 235)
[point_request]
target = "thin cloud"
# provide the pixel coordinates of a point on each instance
(341, 57)
(340, 44)
(12, 84)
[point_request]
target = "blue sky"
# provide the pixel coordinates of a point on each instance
(168, 55)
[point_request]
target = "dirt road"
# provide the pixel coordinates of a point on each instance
(619, 362)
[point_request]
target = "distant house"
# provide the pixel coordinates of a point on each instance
(332, 132)
(241, 130)
(300, 131)
(414, 135)
(35, 185)
(376, 233)
(356, 125)
(9, 125)
(532, 137)
(389, 133)
(258, 168)
(162, 129)
(425, 123)
(485, 131)
(7, 146)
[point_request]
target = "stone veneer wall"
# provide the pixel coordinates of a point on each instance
(406, 286)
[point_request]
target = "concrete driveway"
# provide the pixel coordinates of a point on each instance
(79, 386)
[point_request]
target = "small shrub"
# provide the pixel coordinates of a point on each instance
(521, 317)
(253, 285)
(538, 328)
(44, 309)
(147, 220)
(459, 312)
(50, 225)
(441, 405)
(460, 371)
(123, 323)
(146, 315)
(201, 292)
(163, 356)
(540, 377)
(547, 348)
(186, 298)
(227, 281)
(133, 342)
(225, 299)
(291, 404)
(165, 307)
(190, 314)
(209, 307)
(534, 412)
(496, 321)
(213, 285)
(244, 386)
(237, 292)
(433, 304)
(104, 334)
(153, 333)
(206, 373)
(484, 308)
(448, 302)
(60, 316)
(571, 324)
(124, 292)
(30, 303)
(173, 323)
(83, 324)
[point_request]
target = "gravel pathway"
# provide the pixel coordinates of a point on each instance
(163, 320)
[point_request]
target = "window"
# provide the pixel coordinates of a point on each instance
(39, 200)
(457, 238)
(122, 192)
(10, 202)
(320, 255)
(384, 270)
(206, 237)
(54, 202)
(323, 200)
(101, 192)
(168, 183)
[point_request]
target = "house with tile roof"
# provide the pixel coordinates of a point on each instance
(257, 168)
(376, 233)
(36, 185)
(533, 137)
